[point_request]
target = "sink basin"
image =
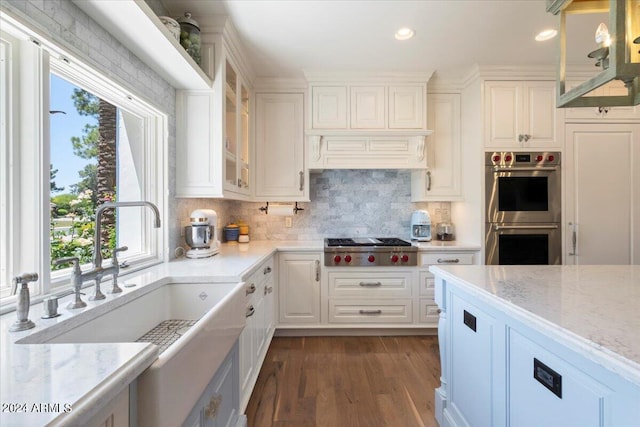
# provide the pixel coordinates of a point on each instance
(169, 388)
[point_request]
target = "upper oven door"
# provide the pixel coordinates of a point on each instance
(522, 194)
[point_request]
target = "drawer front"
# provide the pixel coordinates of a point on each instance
(429, 311)
(370, 311)
(262, 273)
(427, 284)
(445, 258)
(379, 285)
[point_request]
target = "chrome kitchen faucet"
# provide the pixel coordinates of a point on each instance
(98, 272)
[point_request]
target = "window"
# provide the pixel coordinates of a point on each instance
(52, 210)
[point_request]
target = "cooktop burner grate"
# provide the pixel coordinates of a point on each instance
(367, 241)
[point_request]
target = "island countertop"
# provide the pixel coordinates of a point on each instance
(594, 309)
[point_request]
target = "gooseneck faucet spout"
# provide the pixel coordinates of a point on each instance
(97, 252)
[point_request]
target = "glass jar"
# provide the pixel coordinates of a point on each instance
(190, 36)
(445, 231)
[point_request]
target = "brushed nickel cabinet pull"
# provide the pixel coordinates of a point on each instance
(301, 181)
(369, 312)
(370, 284)
(448, 261)
(250, 311)
(428, 180)
(317, 271)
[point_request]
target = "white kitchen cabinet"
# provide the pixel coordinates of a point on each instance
(329, 107)
(279, 130)
(602, 203)
(521, 115)
(370, 295)
(213, 145)
(428, 309)
(368, 107)
(299, 287)
(473, 355)
(442, 180)
(604, 114)
(256, 336)
(569, 397)
(218, 406)
(407, 106)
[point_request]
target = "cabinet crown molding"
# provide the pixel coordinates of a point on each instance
(354, 77)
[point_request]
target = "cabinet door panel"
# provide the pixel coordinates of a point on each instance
(502, 110)
(406, 107)
(541, 115)
(299, 288)
(472, 382)
(329, 107)
(279, 145)
(367, 107)
(581, 400)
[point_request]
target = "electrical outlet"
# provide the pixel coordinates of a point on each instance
(288, 221)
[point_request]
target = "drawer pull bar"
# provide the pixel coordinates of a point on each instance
(370, 284)
(370, 312)
(448, 261)
(250, 311)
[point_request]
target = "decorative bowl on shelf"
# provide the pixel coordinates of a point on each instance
(172, 25)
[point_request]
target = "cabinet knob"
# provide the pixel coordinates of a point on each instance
(251, 289)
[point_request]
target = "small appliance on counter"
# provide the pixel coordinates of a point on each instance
(202, 234)
(421, 226)
(445, 231)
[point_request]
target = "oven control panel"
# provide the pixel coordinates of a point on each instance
(345, 258)
(522, 159)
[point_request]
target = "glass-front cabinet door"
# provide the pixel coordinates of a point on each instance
(236, 141)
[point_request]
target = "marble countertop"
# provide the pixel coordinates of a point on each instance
(85, 376)
(594, 310)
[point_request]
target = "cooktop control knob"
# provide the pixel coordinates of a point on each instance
(347, 258)
(394, 258)
(496, 158)
(371, 258)
(337, 259)
(405, 258)
(539, 158)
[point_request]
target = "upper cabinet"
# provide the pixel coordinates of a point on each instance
(442, 180)
(279, 131)
(135, 25)
(521, 115)
(604, 114)
(213, 143)
(358, 106)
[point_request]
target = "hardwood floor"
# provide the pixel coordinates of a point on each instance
(347, 381)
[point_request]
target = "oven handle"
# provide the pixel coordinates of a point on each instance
(526, 169)
(497, 227)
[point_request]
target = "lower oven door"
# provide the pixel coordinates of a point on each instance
(523, 244)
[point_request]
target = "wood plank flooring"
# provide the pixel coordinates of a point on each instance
(347, 381)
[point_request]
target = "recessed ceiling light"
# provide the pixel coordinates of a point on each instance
(404, 33)
(546, 35)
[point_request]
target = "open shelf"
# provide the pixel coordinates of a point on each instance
(135, 25)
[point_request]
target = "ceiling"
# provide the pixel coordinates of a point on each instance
(284, 38)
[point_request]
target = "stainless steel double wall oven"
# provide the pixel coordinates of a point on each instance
(523, 205)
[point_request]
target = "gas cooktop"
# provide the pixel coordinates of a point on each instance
(366, 241)
(369, 251)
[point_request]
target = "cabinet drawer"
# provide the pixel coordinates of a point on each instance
(440, 258)
(357, 284)
(370, 311)
(429, 311)
(262, 273)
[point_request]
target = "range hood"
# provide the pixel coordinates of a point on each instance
(341, 149)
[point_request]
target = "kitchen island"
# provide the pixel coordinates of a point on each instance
(539, 345)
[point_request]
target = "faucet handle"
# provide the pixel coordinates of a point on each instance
(114, 255)
(69, 260)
